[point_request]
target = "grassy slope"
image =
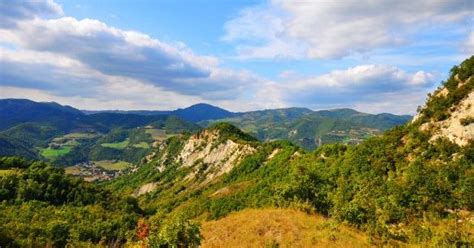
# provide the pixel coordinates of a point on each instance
(142, 145)
(71, 170)
(283, 227)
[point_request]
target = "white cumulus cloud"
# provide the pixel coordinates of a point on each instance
(335, 29)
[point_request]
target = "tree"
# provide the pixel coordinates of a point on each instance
(175, 232)
(58, 233)
(143, 230)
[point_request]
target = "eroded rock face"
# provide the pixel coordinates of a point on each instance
(442, 92)
(146, 188)
(205, 156)
(212, 156)
(453, 128)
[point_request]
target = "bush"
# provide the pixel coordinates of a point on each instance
(467, 121)
(176, 232)
(58, 233)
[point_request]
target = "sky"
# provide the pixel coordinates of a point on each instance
(372, 56)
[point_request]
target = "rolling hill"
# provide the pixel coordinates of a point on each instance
(194, 113)
(34, 129)
(311, 129)
(304, 127)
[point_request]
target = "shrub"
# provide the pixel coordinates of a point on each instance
(176, 232)
(467, 121)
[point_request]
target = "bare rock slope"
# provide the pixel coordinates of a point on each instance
(458, 122)
(203, 157)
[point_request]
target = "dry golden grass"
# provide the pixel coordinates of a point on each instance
(279, 228)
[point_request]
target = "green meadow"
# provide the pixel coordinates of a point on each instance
(116, 145)
(52, 153)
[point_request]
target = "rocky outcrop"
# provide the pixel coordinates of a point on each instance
(457, 127)
(146, 188)
(203, 156)
(210, 157)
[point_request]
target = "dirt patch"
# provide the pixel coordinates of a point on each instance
(146, 188)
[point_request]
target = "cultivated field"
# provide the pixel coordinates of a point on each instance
(112, 164)
(52, 153)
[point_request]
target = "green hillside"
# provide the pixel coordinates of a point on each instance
(311, 129)
(40, 206)
(69, 137)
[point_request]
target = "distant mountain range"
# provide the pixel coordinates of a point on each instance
(195, 113)
(301, 126)
(34, 129)
(29, 128)
(311, 129)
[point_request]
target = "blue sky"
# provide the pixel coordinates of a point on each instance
(241, 55)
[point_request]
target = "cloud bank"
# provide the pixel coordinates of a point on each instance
(66, 57)
(48, 56)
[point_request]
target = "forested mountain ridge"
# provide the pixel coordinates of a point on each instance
(17, 111)
(302, 126)
(66, 118)
(37, 130)
(31, 129)
(194, 113)
(311, 129)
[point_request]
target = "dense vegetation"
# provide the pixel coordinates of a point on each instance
(390, 185)
(438, 104)
(39, 205)
(65, 136)
(383, 186)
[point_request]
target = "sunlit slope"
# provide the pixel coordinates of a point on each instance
(280, 227)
